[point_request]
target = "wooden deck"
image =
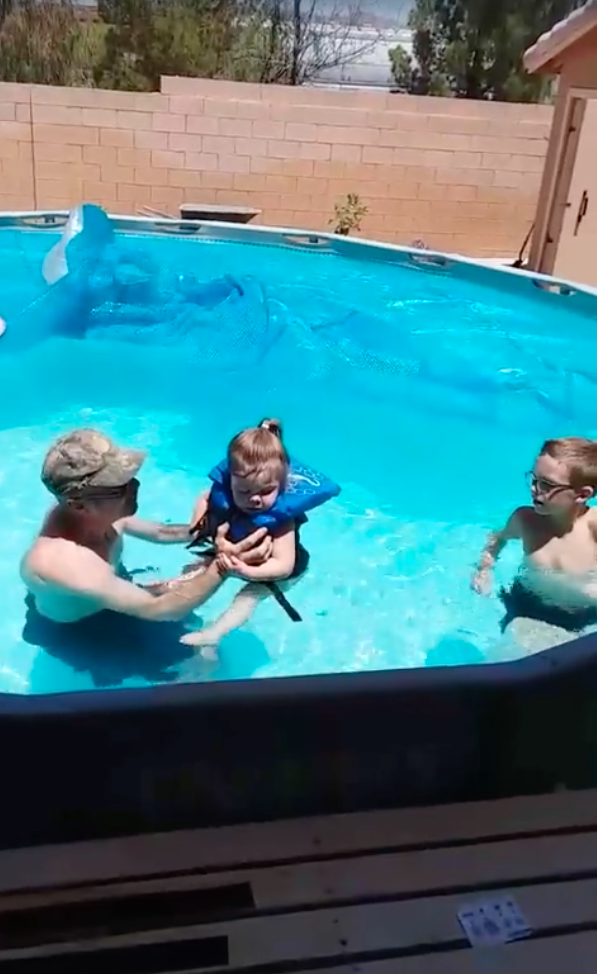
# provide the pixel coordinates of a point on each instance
(374, 893)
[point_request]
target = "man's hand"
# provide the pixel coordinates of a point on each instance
(252, 550)
(229, 565)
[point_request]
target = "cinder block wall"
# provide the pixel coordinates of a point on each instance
(458, 175)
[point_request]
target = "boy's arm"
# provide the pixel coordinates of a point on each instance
(589, 589)
(276, 568)
(495, 544)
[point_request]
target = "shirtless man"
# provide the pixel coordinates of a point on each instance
(72, 568)
(557, 582)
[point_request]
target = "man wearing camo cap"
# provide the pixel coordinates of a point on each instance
(87, 459)
(72, 568)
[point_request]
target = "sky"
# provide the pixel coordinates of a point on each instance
(384, 13)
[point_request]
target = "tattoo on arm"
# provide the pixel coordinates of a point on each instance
(179, 532)
(175, 529)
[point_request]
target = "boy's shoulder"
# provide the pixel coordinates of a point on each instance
(522, 518)
(525, 514)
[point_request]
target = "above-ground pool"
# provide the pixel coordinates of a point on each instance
(423, 385)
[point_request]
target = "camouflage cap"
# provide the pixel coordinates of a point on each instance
(86, 459)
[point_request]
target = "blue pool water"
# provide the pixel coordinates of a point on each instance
(423, 394)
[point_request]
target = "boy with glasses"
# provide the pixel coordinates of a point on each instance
(557, 581)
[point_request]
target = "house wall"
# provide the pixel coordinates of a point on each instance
(458, 175)
(577, 68)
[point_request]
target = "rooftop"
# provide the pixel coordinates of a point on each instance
(542, 56)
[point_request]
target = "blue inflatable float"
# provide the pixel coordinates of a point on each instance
(101, 286)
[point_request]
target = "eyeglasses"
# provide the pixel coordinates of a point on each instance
(104, 493)
(542, 486)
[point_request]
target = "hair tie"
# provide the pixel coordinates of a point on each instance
(273, 426)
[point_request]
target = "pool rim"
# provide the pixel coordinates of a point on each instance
(313, 241)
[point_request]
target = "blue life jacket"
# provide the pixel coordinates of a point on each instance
(305, 489)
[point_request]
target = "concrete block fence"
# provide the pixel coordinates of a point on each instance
(459, 175)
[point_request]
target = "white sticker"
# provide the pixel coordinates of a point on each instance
(488, 923)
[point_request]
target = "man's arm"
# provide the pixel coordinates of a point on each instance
(200, 508)
(494, 546)
(160, 533)
(154, 531)
(89, 576)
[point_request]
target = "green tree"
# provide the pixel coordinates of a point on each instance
(322, 37)
(283, 41)
(43, 42)
(6, 7)
(302, 40)
(474, 48)
(424, 73)
(148, 38)
(261, 51)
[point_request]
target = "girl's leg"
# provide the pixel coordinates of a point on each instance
(241, 610)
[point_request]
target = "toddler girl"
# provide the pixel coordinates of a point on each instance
(254, 478)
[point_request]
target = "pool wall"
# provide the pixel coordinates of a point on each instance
(78, 766)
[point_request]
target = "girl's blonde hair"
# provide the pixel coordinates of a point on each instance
(259, 448)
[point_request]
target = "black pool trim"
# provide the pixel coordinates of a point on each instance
(104, 763)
